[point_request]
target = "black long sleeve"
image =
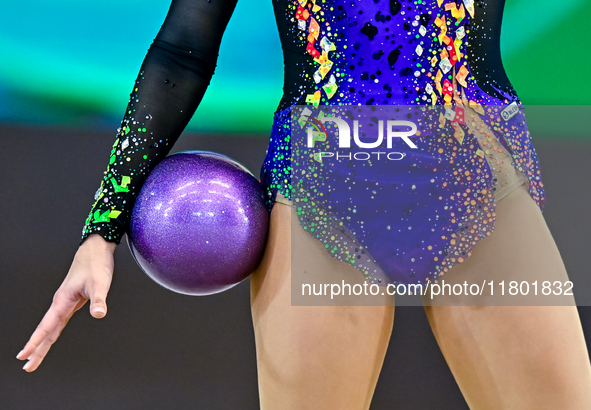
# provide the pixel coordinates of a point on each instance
(171, 83)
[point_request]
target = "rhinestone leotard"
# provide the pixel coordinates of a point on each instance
(418, 218)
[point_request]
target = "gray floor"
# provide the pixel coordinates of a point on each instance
(159, 350)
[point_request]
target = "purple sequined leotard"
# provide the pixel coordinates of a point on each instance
(416, 220)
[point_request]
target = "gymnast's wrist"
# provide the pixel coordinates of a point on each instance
(96, 241)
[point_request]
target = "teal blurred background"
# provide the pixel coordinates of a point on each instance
(71, 63)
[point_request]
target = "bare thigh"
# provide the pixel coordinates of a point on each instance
(312, 357)
(515, 357)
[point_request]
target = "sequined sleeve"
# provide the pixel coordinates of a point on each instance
(170, 85)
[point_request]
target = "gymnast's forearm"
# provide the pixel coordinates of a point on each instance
(170, 85)
(161, 104)
(167, 91)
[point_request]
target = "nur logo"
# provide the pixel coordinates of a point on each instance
(390, 129)
(344, 132)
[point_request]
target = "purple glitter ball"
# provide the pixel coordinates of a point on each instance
(199, 225)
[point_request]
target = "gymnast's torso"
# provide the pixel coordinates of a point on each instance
(435, 53)
(389, 51)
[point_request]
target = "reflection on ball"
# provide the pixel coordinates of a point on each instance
(199, 225)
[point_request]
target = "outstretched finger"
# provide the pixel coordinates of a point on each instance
(51, 325)
(40, 351)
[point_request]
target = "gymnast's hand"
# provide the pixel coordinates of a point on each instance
(89, 278)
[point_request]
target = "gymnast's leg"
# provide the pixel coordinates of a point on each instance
(515, 357)
(312, 357)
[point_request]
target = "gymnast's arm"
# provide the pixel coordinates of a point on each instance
(170, 85)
